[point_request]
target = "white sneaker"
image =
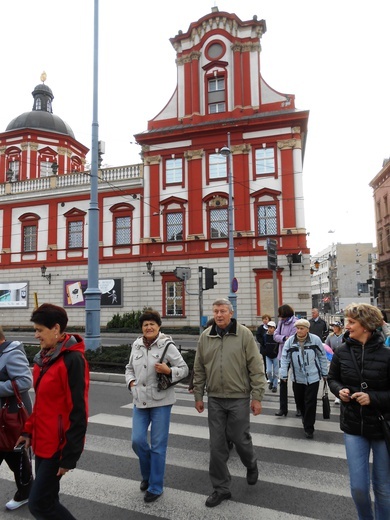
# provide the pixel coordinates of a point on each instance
(13, 504)
(336, 400)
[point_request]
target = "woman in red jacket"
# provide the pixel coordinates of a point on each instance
(57, 426)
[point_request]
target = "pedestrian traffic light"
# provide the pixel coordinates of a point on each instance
(209, 281)
(272, 255)
(377, 287)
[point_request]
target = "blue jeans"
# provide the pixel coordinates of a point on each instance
(151, 456)
(273, 371)
(358, 453)
(43, 501)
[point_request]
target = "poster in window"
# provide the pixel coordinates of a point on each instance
(14, 295)
(110, 288)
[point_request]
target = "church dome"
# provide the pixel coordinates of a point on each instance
(41, 117)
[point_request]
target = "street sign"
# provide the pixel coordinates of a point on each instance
(183, 273)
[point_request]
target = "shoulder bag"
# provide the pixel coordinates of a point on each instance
(325, 402)
(11, 424)
(164, 381)
(385, 426)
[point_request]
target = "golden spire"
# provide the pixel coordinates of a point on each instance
(43, 77)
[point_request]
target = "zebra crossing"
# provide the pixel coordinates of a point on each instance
(300, 479)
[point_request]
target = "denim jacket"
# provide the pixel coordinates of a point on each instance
(308, 365)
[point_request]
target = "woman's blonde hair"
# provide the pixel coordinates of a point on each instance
(367, 315)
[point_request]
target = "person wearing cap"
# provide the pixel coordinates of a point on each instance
(306, 355)
(335, 338)
(271, 348)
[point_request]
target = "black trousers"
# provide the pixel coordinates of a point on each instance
(20, 465)
(44, 503)
(306, 400)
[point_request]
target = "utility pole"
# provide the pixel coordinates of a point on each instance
(92, 294)
(226, 152)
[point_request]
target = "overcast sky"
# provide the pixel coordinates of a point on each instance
(333, 56)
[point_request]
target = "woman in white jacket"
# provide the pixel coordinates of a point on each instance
(152, 406)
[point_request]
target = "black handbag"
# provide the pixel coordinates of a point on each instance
(325, 402)
(164, 381)
(385, 426)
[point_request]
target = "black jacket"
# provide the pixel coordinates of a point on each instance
(319, 328)
(374, 361)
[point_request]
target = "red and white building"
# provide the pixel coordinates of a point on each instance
(173, 209)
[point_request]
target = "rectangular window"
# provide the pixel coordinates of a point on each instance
(219, 223)
(174, 227)
(174, 171)
(216, 95)
(75, 234)
(29, 238)
(174, 298)
(14, 168)
(217, 166)
(45, 169)
(265, 161)
(122, 231)
(267, 222)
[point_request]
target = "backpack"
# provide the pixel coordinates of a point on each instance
(271, 347)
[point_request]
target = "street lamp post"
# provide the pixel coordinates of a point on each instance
(93, 294)
(226, 152)
(313, 270)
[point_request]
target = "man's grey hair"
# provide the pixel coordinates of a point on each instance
(224, 301)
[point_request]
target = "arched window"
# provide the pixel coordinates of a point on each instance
(29, 232)
(75, 222)
(267, 219)
(174, 212)
(122, 215)
(217, 210)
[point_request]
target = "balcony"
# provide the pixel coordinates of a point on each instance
(132, 174)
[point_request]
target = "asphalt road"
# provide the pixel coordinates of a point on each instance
(299, 479)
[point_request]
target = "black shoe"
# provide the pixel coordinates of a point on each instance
(252, 474)
(144, 485)
(230, 445)
(270, 386)
(216, 498)
(274, 389)
(151, 497)
(280, 413)
(298, 413)
(309, 435)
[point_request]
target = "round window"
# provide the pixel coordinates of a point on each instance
(215, 51)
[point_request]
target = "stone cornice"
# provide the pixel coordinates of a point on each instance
(153, 159)
(288, 144)
(190, 155)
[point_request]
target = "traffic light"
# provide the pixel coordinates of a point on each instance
(272, 255)
(209, 281)
(377, 287)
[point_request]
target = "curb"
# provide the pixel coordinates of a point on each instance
(104, 377)
(107, 377)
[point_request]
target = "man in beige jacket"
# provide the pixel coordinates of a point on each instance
(229, 364)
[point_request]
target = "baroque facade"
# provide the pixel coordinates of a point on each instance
(187, 205)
